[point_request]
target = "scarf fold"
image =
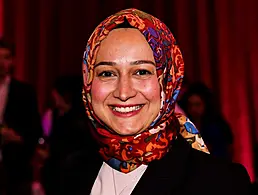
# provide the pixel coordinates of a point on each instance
(126, 153)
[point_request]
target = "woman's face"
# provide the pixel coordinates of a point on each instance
(125, 90)
(196, 106)
(6, 61)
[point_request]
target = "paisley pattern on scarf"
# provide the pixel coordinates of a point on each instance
(126, 153)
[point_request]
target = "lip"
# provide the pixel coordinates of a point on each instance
(124, 106)
(127, 114)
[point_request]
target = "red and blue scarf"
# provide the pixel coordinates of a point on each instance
(126, 153)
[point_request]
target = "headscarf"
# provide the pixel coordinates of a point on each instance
(126, 153)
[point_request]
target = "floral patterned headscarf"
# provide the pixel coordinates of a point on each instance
(126, 153)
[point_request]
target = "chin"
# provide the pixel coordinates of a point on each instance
(126, 131)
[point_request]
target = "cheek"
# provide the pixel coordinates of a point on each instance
(99, 91)
(151, 90)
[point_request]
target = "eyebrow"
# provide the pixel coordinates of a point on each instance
(137, 62)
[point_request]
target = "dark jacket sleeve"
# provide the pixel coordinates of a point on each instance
(33, 124)
(241, 183)
(22, 115)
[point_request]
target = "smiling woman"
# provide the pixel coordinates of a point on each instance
(125, 89)
(133, 70)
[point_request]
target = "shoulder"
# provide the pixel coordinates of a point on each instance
(203, 172)
(21, 88)
(220, 174)
(78, 172)
(201, 159)
(21, 84)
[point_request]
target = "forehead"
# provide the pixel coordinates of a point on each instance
(124, 35)
(195, 98)
(124, 42)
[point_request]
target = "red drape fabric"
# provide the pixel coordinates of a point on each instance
(1, 18)
(218, 39)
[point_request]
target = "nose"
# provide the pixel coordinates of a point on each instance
(125, 88)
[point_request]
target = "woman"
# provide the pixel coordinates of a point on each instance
(133, 70)
(198, 104)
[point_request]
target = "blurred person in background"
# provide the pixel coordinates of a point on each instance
(198, 104)
(65, 126)
(59, 103)
(20, 126)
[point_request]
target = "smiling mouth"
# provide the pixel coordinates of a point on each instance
(125, 110)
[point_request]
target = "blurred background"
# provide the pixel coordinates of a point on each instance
(218, 39)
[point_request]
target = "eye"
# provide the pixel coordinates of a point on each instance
(106, 74)
(143, 72)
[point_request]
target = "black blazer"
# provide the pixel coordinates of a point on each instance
(21, 114)
(182, 171)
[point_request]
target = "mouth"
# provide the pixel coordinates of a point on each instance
(126, 110)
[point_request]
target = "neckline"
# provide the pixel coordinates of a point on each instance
(135, 175)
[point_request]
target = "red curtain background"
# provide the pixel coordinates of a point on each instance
(218, 39)
(1, 18)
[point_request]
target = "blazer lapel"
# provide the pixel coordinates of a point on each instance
(91, 174)
(80, 170)
(167, 174)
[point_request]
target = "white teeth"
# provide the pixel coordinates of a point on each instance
(126, 109)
